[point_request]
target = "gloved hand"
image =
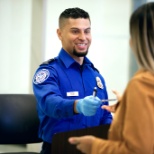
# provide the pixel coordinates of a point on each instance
(88, 105)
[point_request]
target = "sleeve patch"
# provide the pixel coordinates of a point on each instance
(41, 76)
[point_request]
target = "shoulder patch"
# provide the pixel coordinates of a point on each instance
(48, 61)
(41, 76)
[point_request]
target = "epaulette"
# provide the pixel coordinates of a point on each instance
(47, 61)
(96, 69)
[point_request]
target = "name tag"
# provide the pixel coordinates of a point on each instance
(72, 93)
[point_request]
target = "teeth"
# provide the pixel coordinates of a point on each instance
(81, 44)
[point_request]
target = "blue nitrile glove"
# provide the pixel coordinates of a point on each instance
(88, 105)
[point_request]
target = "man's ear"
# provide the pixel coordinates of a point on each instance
(59, 34)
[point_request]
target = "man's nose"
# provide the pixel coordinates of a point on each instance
(82, 36)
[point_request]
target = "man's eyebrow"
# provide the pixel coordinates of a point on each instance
(74, 28)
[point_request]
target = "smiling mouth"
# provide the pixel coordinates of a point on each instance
(81, 45)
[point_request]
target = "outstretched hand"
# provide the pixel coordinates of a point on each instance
(88, 105)
(118, 95)
(112, 108)
(84, 143)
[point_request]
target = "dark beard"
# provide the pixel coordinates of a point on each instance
(83, 54)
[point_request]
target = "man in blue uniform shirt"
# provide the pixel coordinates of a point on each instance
(64, 85)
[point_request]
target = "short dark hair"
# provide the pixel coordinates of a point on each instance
(73, 13)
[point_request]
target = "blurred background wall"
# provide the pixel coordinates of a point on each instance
(28, 37)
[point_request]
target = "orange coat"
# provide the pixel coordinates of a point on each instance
(132, 129)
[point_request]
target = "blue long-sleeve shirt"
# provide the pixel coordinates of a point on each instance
(57, 83)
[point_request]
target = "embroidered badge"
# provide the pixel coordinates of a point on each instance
(99, 82)
(41, 76)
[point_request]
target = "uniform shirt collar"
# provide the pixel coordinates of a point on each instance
(68, 60)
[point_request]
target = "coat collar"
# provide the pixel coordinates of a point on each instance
(68, 60)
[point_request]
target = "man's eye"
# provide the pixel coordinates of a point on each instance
(87, 31)
(74, 31)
